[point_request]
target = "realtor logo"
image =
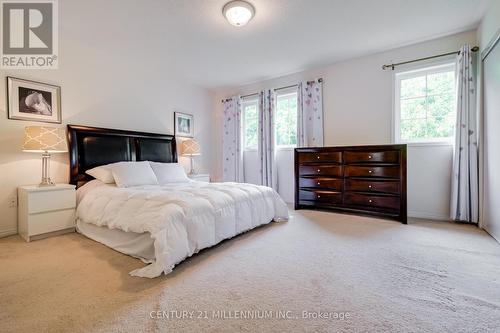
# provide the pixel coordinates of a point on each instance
(29, 34)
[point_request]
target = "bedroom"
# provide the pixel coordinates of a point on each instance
(147, 66)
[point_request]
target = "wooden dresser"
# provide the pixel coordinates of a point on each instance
(357, 179)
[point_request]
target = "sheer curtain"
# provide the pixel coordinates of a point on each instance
(232, 157)
(266, 139)
(465, 180)
(310, 114)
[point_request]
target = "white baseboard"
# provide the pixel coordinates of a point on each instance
(490, 232)
(427, 215)
(5, 233)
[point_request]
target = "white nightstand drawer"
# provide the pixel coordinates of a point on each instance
(46, 201)
(51, 221)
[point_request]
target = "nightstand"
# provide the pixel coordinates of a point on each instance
(200, 177)
(46, 211)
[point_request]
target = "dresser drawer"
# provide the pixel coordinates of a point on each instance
(46, 201)
(333, 157)
(373, 171)
(391, 156)
(333, 184)
(321, 170)
(392, 187)
(368, 200)
(321, 196)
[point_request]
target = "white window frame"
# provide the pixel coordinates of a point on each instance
(248, 101)
(284, 92)
(436, 67)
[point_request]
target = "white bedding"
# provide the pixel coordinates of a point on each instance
(181, 218)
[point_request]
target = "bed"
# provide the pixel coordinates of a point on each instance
(158, 224)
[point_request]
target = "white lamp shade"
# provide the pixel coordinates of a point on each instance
(45, 139)
(190, 147)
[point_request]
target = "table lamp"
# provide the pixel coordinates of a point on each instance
(190, 147)
(45, 140)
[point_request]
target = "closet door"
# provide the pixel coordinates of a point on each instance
(491, 116)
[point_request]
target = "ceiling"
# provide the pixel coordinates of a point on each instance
(285, 36)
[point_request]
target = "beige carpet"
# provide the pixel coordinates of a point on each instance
(423, 277)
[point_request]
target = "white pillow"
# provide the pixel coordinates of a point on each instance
(169, 173)
(102, 173)
(127, 174)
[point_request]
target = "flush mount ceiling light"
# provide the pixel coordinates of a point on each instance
(238, 12)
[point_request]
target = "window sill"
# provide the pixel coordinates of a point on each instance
(427, 144)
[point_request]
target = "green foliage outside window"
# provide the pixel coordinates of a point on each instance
(428, 106)
(286, 120)
(251, 124)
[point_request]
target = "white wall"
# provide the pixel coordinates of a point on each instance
(358, 110)
(490, 212)
(106, 81)
(489, 24)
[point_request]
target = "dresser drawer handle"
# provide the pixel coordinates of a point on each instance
(319, 183)
(318, 157)
(370, 201)
(370, 171)
(319, 196)
(319, 170)
(370, 156)
(369, 186)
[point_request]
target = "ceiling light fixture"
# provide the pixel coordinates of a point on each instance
(238, 12)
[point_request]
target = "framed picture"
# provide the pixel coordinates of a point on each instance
(33, 101)
(184, 124)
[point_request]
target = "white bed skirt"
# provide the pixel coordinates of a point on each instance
(139, 246)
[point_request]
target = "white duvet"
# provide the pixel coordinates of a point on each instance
(182, 219)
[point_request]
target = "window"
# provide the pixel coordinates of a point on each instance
(250, 108)
(425, 105)
(286, 119)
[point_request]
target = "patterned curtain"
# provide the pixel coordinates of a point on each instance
(232, 157)
(266, 139)
(465, 181)
(310, 114)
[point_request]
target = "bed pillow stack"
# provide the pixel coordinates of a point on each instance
(128, 174)
(125, 174)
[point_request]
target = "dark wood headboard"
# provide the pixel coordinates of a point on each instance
(91, 146)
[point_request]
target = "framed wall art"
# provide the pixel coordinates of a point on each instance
(184, 124)
(33, 101)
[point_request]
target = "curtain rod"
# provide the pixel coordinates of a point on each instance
(295, 85)
(281, 88)
(249, 95)
(384, 67)
(244, 96)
